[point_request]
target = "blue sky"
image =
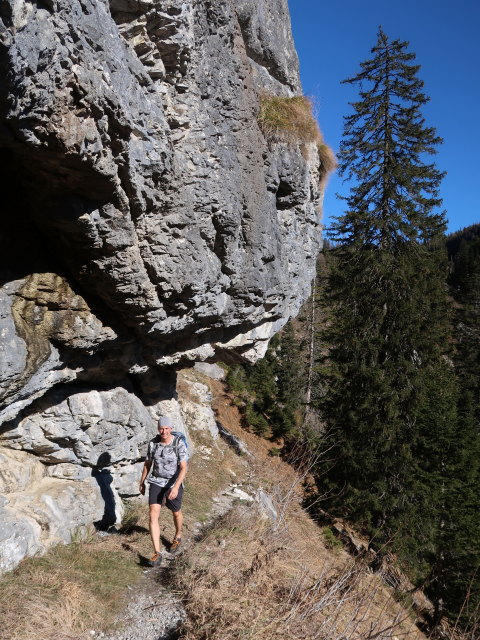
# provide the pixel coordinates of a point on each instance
(332, 37)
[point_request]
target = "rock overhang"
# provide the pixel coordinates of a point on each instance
(159, 193)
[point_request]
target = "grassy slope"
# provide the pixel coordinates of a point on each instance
(246, 577)
(278, 579)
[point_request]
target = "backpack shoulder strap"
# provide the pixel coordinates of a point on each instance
(175, 443)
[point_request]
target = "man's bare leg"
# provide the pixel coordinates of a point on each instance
(178, 521)
(154, 526)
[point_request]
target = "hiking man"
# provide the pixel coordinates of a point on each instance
(167, 459)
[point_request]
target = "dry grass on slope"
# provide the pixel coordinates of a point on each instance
(67, 592)
(250, 577)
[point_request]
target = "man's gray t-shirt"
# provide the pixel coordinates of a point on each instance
(165, 460)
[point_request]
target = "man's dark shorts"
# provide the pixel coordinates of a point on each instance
(158, 495)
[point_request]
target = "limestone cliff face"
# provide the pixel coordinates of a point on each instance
(147, 221)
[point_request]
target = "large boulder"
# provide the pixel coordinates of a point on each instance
(37, 511)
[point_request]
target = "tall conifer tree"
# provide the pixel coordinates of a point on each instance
(383, 150)
(389, 326)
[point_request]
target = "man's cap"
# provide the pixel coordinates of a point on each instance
(165, 421)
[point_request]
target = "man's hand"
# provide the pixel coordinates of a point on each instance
(142, 488)
(173, 492)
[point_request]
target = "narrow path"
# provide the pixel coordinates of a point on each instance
(154, 612)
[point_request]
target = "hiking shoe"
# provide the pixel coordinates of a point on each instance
(175, 544)
(156, 559)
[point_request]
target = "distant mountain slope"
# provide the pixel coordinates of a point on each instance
(459, 240)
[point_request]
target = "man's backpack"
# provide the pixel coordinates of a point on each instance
(179, 437)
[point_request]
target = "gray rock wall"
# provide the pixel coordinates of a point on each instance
(146, 227)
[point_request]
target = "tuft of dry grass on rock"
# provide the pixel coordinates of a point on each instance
(292, 120)
(289, 119)
(327, 158)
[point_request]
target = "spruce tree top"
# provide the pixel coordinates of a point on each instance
(395, 196)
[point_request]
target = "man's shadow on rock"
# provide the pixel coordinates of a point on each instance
(103, 476)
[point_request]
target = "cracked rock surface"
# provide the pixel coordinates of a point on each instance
(145, 222)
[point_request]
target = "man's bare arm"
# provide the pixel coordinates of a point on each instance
(146, 469)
